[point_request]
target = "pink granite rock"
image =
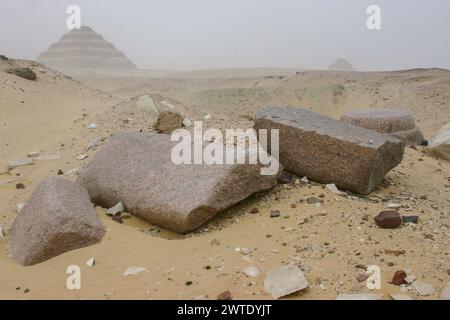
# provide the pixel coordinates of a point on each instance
(136, 169)
(58, 217)
(331, 151)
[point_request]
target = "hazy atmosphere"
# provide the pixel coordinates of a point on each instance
(203, 34)
(224, 150)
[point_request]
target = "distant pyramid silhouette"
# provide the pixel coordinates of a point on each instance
(85, 50)
(341, 65)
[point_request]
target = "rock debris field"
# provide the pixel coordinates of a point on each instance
(367, 189)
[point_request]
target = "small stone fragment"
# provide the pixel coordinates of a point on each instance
(400, 296)
(117, 209)
(410, 219)
(19, 206)
(388, 219)
(363, 277)
(254, 211)
(275, 213)
(440, 144)
(90, 262)
(25, 73)
(304, 180)
(2, 232)
(424, 289)
(243, 251)
(332, 187)
(284, 281)
(167, 122)
(92, 126)
(313, 200)
(187, 123)
(134, 271)
(394, 252)
(20, 186)
(33, 154)
(19, 163)
(392, 205)
(92, 144)
(445, 294)
(285, 177)
(410, 279)
(251, 272)
(399, 278)
(82, 156)
(224, 296)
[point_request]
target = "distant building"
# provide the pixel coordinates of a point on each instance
(341, 65)
(85, 51)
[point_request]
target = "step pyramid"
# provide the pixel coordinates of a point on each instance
(84, 50)
(341, 65)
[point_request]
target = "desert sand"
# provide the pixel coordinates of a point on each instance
(330, 242)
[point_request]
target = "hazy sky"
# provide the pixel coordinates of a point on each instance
(201, 34)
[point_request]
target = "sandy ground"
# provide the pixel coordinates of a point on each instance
(329, 241)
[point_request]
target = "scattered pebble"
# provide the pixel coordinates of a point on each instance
(33, 154)
(92, 144)
(2, 232)
(19, 163)
(410, 219)
(82, 156)
(243, 251)
(399, 278)
(388, 219)
(254, 211)
(90, 262)
(392, 205)
(275, 213)
(226, 295)
(284, 281)
(445, 294)
(187, 123)
(313, 200)
(251, 272)
(19, 206)
(117, 209)
(20, 186)
(400, 296)
(304, 180)
(423, 289)
(117, 218)
(133, 271)
(410, 279)
(332, 187)
(394, 252)
(363, 277)
(92, 126)
(285, 177)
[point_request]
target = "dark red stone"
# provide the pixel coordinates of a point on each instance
(399, 278)
(388, 219)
